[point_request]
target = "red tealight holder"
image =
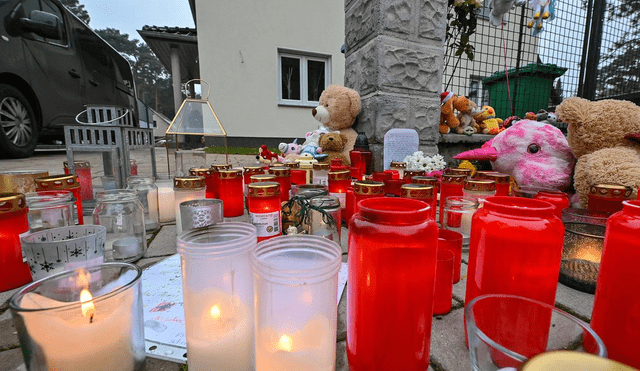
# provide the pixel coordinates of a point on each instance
(231, 192)
(336, 165)
(398, 168)
(83, 171)
(361, 159)
(616, 317)
(339, 181)
(283, 176)
(608, 197)
(68, 182)
(381, 176)
(393, 187)
(443, 290)
(390, 237)
(349, 205)
(216, 177)
(558, 199)
(298, 176)
(264, 209)
(209, 179)
(452, 241)
(356, 173)
(364, 189)
(451, 185)
(14, 272)
(247, 172)
(503, 182)
(395, 174)
(408, 174)
(422, 192)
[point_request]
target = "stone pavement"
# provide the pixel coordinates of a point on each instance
(448, 351)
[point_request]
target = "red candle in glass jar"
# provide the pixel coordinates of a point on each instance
(422, 192)
(503, 182)
(428, 180)
(451, 185)
(207, 174)
(283, 176)
(339, 181)
(558, 199)
(247, 173)
(443, 290)
(69, 182)
(133, 167)
(215, 169)
(393, 187)
(264, 209)
(349, 205)
(14, 221)
(408, 174)
(298, 176)
(364, 189)
(231, 192)
(608, 197)
(452, 241)
(83, 171)
(356, 173)
(615, 316)
(390, 237)
(381, 176)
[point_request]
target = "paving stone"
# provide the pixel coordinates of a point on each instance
(5, 315)
(342, 317)
(460, 288)
(448, 349)
(164, 244)
(12, 360)
(465, 256)
(5, 296)
(342, 364)
(575, 302)
(9, 338)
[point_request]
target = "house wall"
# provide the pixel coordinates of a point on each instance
(238, 45)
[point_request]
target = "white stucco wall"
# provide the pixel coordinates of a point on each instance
(238, 45)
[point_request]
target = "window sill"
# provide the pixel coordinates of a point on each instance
(298, 104)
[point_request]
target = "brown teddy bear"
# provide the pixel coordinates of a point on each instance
(463, 121)
(333, 144)
(596, 134)
(337, 110)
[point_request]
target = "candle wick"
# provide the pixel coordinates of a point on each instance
(91, 318)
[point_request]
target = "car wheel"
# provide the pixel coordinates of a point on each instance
(18, 124)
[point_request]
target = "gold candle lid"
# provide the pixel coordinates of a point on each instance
(253, 170)
(461, 171)
(262, 178)
(482, 174)
(62, 181)
(218, 167)
(264, 189)
(453, 178)
(499, 178)
(611, 190)
(398, 164)
(480, 185)
(412, 173)
(230, 173)
(428, 180)
(203, 172)
(78, 164)
(292, 165)
(280, 171)
(417, 191)
(319, 166)
(189, 182)
(340, 175)
(368, 187)
(20, 181)
(11, 202)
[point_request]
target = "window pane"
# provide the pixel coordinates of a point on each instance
(290, 78)
(49, 7)
(316, 79)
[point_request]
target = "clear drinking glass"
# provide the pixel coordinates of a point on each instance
(50, 209)
(506, 330)
(148, 193)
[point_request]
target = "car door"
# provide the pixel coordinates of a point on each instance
(55, 68)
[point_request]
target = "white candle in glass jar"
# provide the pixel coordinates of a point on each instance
(219, 330)
(166, 203)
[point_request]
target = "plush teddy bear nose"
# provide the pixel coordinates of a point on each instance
(313, 112)
(330, 138)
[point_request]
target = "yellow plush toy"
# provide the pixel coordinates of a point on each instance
(487, 121)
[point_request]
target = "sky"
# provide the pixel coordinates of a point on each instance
(128, 16)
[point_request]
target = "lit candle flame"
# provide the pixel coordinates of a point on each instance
(286, 343)
(587, 252)
(215, 312)
(87, 305)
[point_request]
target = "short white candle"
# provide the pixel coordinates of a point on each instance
(166, 203)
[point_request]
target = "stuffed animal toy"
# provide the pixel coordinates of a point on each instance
(535, 154)
(333, 145)
(337, 110)
(466, 109)
(542, 9)
(448, 119)
(290, 151)
(501, 7)
(487, 121)
(601, 135)
(312, 144)
(269, 156)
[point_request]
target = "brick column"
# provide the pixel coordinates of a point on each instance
(394, 59)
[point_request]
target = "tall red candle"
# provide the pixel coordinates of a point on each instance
(14, 272)
(408, 174)
(339, 181)
(283, 176)
(616, 317)
(422, 192)
(209, 180)
(503, 182)
(443, 290)
(452, 241)
(608, 197)
(216, 177)
(451, 185)
(83, 171)
(559, 200)
(361, 156)
(264, 209)
(298, 176)
(69, 182)
(364, 189)
(390, 237)
(231, 192)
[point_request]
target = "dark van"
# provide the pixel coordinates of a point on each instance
(51, 66)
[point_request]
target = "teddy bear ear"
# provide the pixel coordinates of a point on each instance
(344, 138)
(356, 104)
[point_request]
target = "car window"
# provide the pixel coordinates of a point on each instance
(49, 7)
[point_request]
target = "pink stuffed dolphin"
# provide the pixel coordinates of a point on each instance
(534, 153)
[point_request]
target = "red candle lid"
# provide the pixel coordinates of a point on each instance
(417, 191)
(368, 187)
(63, 181)
(264, 189)
(12, 202)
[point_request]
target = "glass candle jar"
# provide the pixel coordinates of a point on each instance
(121, 212)
(422, 192)
(291, 211)
(479, 189)
(458, 212)
(408, 174)
(200, 213)
(443, 290)
(216, 177)
(298, 177)
(85, 319)
(166, 201)
(311, 190)
(148, 195)
(14, 272)
(393, 187)
(390, 237)
(615, 311)
(608, 197)
(231, 192)
(296, 285)
(186, 159)
(364, 189)
(83, 171)
(247, 172)
(356, 173)
(321, 174)
(50, 209)
(399, 167)
(20, 181)
(452, 241)
(207, 174)
(451, 185)
(339, 181)
(184, 189)
(503, 183)
(361, 156)
(64, 182)
(381, 176)
(264, 209)
(324, 218)
(510, 233)
(558, 199)
(283, 176)
(217, 286)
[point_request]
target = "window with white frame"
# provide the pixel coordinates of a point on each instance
(302, 77)
(478, 93)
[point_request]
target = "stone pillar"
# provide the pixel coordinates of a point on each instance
(394, 59)
(176, 78)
